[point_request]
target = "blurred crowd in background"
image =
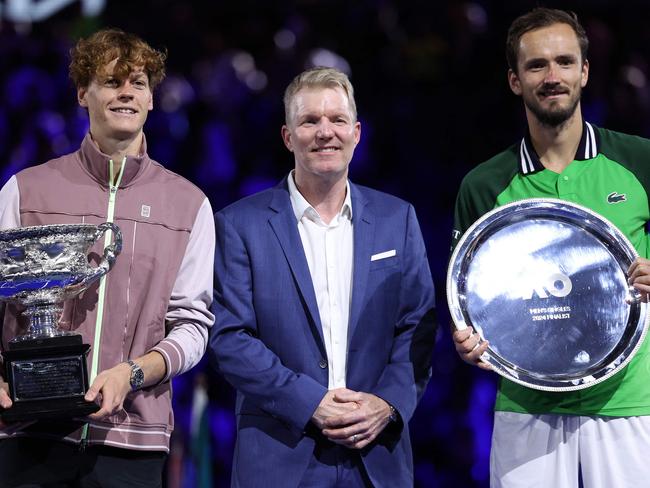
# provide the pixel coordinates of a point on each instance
(433, 101)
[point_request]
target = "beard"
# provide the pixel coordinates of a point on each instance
(554, 116)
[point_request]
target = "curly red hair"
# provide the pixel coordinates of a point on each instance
(91, 55)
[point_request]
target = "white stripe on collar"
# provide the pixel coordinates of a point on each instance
(526, 162)
(591, 151)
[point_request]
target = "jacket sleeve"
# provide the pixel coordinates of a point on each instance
(408, 370)
(189, 317)
(10, 205)
(235, 349)
(9, 217)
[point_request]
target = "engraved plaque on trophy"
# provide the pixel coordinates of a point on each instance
(545, 282)
(40, 268)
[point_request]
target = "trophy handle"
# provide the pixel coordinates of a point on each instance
(112, 250)
(110, 253)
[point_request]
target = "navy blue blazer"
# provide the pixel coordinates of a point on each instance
(267, 340)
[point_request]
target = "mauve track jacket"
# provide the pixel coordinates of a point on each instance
(156, 297)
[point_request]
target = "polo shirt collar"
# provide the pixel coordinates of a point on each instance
(529, 162)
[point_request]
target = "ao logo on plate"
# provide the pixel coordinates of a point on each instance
(556, 284)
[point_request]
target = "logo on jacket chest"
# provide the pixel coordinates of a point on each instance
(145, 211)
(615, 197)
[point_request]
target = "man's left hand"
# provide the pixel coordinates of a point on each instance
(112, 386)
(639, 277)
(360, 427)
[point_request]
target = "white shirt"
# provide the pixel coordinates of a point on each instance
(328, 249)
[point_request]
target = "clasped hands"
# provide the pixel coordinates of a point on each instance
(351, 418)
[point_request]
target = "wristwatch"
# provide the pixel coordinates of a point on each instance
(394, 416)
(137, 376)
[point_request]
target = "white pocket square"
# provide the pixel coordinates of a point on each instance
(383, 255)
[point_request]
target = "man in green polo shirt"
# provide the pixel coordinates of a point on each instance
(600, 434)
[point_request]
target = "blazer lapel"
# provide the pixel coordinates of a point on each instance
(364, 235)
(285, 228)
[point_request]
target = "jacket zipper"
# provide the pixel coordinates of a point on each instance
(112, 193)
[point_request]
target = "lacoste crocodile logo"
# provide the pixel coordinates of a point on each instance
(615, 197)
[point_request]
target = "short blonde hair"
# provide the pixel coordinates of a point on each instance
(319, 77)
(90, 55)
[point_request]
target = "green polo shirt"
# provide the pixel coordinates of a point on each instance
(610, 174)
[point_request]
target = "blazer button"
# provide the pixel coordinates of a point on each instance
(322, 363)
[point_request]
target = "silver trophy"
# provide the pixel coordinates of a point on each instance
(40, 268)
(545, 282)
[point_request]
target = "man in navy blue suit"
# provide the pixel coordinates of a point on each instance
(324, 311)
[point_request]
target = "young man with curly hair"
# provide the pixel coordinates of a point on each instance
(147, 320)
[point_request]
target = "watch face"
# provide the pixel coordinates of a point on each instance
(545, 282)
(137, 376)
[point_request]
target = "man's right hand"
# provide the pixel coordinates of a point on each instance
(329, 407)
(470, 348)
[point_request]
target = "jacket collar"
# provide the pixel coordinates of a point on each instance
(96, 162)
(300, 205)
(281, 198)
(529, 162)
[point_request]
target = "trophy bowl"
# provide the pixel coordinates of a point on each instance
(545, 282)
(40, 268)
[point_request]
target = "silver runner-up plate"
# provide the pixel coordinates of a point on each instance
(545, 282)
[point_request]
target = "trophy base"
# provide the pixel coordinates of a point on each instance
(47, 379)
(57, 409)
